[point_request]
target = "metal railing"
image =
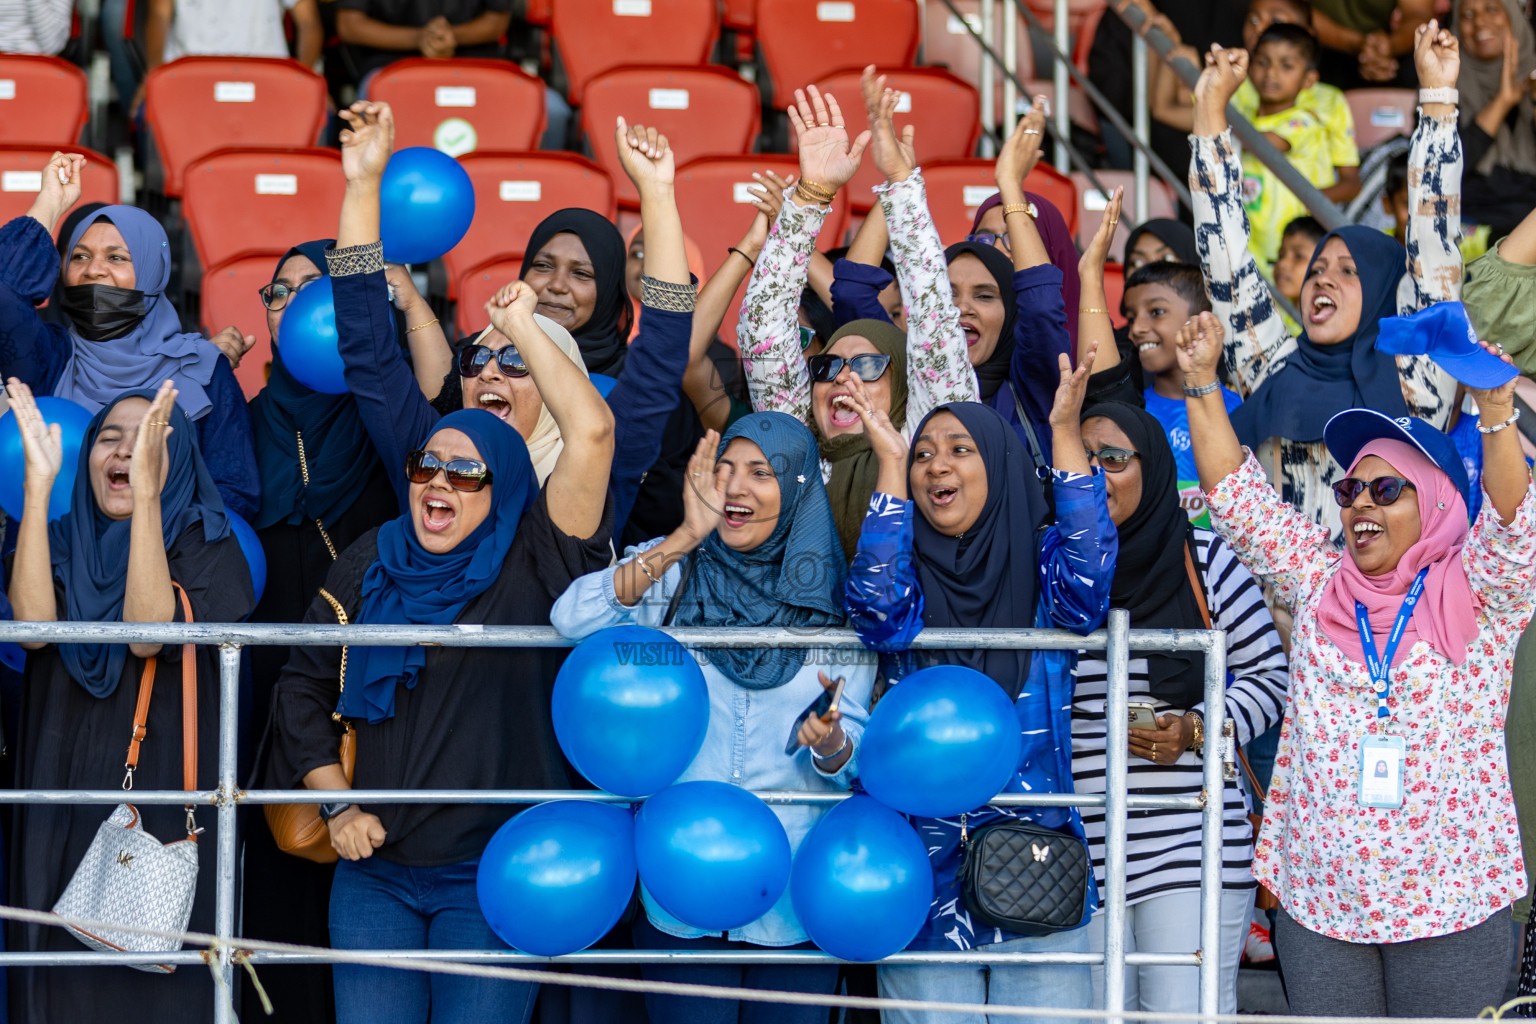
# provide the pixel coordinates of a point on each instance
(1117, 641)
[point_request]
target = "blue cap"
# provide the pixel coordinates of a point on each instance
(1443, 333)
(1351, 430)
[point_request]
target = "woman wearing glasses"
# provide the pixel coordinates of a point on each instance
(480, 541)
(579, 293)
(906, 375)
(1171, 575)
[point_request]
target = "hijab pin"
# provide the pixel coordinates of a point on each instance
(801, 479)
(1441, 505)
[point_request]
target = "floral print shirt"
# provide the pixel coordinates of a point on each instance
(1450, 856)
(938, 370)
(1258, 341)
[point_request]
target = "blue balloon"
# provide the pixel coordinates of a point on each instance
(426, 202)
(13, 657)
(307, 339)
(558, 877)
(862, 883)
(713, 855)
(630, 708)
(603, 383)
(251, 548)
(942, 742)
(73, 421)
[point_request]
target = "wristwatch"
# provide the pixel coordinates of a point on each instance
(1195, 743)
(329, 811)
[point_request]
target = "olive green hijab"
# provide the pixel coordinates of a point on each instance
(854, 465)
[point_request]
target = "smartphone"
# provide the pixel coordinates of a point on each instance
(1143, 715)
(820, 707)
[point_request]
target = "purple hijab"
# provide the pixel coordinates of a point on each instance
(1058, 243)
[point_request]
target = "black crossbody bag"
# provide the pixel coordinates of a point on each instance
(1024, 877)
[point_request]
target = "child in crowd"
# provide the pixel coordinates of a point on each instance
(1297, 244)
(1159, 299)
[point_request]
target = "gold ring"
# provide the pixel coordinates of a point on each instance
(159, 423)
(823, 124)
(1154, 751)
(1031, 131)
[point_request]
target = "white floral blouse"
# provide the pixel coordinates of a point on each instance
(938, 370)
(1450, 856)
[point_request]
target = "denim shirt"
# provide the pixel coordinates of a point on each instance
(744, 743)
(885, 604)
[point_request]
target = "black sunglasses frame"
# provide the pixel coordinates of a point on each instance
(422, 466)
(824, 368)
(1347, 490)
(474, 358)
(1104, 455)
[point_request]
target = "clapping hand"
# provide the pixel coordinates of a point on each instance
(367, 141)
(894, 158)
(1093, 258)
(1067, 409)
(1198, 348)
(827, 158)
(884, 439)
(703, 490)
(41, 443)
(1021, 151)
(149, 447)
(645, 154)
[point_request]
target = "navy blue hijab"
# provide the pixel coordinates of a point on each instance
(409, 585)
(794, 579)
(1297, 400)
(336, 444)
(993, 374)
(90, 551)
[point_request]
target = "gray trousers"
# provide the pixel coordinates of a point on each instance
(1455, 975)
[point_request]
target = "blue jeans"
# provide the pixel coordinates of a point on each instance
(1069, 987)
(379, 905)
(670, 1009)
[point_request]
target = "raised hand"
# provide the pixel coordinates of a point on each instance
(884, 439)
(41, 443)
(1436, 56)
(1021, 151)
(703, 490)
(367, 141)
(1092, 260)
(233, 344)
(1198, 348)
(1495, 405)
(645, 154)
(60, 191)
(827, 158)
(1067, 409)
(894, 158)
(149, 448)
(768, 192)
(1225, 71)
(513, 300)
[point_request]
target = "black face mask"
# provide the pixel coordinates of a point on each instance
(101, 312)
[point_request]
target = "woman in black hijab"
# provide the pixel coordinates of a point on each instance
(1162, 559)
(575, 261)
(1161, 240)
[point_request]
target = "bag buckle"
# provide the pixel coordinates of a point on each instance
(192, 828)
(964, 831)
(128, 778)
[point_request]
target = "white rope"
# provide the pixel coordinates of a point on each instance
(240, 946)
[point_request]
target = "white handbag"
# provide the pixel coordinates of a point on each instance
(127, 876)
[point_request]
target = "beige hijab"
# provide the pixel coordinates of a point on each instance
(1513, 147)
(545, 443)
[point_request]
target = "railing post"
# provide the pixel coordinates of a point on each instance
(1117, 754)
(1011, 66)
(1141, 111)
(226, 855)
(1063, 110)
(1214, 784)
(988, 81)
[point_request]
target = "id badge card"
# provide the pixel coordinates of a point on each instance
(1381, 772)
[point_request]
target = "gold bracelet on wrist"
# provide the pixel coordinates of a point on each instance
(813, 192)
(1085, 309)
(1198, 740)
(429, 323)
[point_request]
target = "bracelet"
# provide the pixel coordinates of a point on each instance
(1085, 309)
(1028, 208)
(640, 560)
(738, 252)
(1442, 95)
(1204, 389)
(1499, 426)
(812, 192)
(835, 753)
(418, 327)
(1198, 740)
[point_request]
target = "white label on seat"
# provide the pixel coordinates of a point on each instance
(632, 8)
(455, 95)
(904, 103)
(957, 27)
(975, 195)
(1093, 199)
(277, 184)
(669, 99)
(834, 10)
(234, 92)
(741, 192)
(1388, 117)
(521, 191)
(21, 181)
(7, 88)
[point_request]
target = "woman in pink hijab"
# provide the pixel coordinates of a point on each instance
(1395, 883)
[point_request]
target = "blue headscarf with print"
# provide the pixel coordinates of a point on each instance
(90, 551)
(409, 585)
(793, 580)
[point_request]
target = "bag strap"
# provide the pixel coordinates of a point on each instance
(341, 683)
(1042, 465)
(677, 595)
(188, 713)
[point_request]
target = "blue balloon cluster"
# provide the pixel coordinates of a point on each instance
(73, 421)
(426, 203)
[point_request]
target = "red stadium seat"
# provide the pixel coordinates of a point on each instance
(945, 109)
(702, 112)
(461, 105)
(241, 199)
(957, 187)
(196, 105)
(229, 298)
(513, 192)
(804, 40)
(740, 15)
(712, 198)
(1161, 202)
(43, 100)
(21, 178)
(539, 12)
(594, 36)
(1114, 291)
(1381, 114)
(947, 43)
(477, 287)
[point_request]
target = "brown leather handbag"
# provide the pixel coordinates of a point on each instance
(298, 828)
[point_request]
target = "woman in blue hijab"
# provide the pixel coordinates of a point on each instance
(479, 542)
(757, 547)
(122, 332)
(144, 513)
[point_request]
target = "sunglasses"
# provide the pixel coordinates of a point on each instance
(276, 295)
(1384, 490)
(807, 336)
(462, 474)
(988, 238)
(1113, 460)
(869, 366)
(475, 358)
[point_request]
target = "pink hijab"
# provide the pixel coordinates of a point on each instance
(1446, 616)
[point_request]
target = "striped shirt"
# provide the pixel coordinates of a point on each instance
(35, 26)
(1163, 846)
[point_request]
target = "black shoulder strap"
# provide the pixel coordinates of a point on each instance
(1042, 465)
(677, 595)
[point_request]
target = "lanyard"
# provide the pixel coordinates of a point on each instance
(1381, 668)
